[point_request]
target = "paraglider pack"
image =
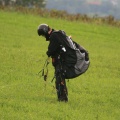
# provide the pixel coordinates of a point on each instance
(73, 57)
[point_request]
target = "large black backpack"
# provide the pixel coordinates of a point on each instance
(75, 59)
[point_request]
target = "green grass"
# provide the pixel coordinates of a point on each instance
(94, 95)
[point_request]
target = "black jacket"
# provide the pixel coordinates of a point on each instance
(54, 45)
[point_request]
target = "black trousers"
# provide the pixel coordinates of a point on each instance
(60, 83)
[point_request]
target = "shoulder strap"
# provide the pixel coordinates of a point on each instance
(60, 31)
(67, 39)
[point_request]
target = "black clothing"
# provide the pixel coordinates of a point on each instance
(60, 84)
(54, 45)
(54, 50)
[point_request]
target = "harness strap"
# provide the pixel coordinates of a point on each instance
(45, 66)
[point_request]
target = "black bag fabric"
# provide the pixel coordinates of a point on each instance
(75, 59)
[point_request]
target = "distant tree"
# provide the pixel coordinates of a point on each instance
(26, 3)
(31, 3)
(4, 2)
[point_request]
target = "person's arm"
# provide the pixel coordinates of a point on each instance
(53, 45)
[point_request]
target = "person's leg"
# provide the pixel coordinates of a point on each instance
(64, 92)
(61, 87)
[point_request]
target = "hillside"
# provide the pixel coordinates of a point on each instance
(25, 96)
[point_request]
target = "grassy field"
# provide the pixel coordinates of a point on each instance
(94, 95)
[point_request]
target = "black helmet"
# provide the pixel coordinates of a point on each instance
(43, 30)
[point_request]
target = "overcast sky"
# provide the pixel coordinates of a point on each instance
(90, 7)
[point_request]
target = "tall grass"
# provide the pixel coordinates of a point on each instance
(25, 96)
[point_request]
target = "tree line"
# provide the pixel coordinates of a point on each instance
(25, 3)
